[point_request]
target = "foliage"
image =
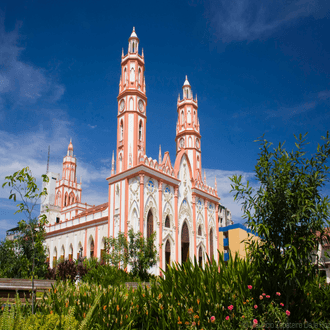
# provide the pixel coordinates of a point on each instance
(288, 213)
(28, 249)
(189, 297)
(106, 275)
(136, 251)
(66, 270)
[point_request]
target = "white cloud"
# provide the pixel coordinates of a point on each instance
(224, 187)
(22, 83)
(252, 19)
(288, 112)
(324, 95)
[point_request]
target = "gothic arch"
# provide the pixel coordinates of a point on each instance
(62, 252)
(168, 211)
(134, 221)
(90, 247)
(78, 250)
(150, 205)
(182, 155)
(185, 241)
(71, 252)
(66, 199)
(168, 238)
(58, 198)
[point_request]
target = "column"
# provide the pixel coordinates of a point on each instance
(206, 226)
(141, 201)
(194, 223)
(176, 224)
(160, 208)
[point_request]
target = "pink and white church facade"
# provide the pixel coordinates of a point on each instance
(144, 194)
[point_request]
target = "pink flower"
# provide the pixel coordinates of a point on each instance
(267, 296)
(249, 287)
(213, 318)
(193, 324)
(231, 307)
(255, 322)
(278, 293)
(261, 297)
(227, 318)
(264, 294)
(282, 304)
(255, 306)
(287, 313)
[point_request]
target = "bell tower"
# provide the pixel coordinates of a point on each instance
(188, 135)
(132, 103)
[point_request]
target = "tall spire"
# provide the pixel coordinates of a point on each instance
(160, 155)
(113, 163)
(215, 183)
(204, 177)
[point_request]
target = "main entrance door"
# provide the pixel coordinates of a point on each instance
(167, 254)
(184, 243)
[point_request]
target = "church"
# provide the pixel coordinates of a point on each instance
(148, 195)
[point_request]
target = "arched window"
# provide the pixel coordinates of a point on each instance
(66, 199)
(190, 141)
(167, 222)
(140, 76)
(71, 252)
(140, 130)
(167, 254)
(150, 224)
(62, 253)
(121, 130)
(132, 75)
(200, 257)
(200, 230)
(197, 161)
(182, 117)
(189, 116)
(131, 106)
(211, 244)
(184, 242)
(125, 76)
(80, 251)
(92, 248)
(55, 257)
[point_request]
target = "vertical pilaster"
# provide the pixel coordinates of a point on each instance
(141, 201)
(176, 224)
(160, 208)
(194, 223)
(96, 241)
(85, 244)
(126, 206)
(218, 233)
(206, 226)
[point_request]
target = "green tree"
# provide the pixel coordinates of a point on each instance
(28, 248)
(288, 212)
(135, 250)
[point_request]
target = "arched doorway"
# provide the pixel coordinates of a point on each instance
(71, 252)
(184, 243)
(150, 224)
(167, 254)
(92, 248)
(200, 257)
(211, 244)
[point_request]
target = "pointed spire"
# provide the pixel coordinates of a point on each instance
(204, 177)
(133, 34)
(215, 183)
(142, 53)
(113, 163)
(122, 52)
(160, 155)
(186, 82)
(196, 97)
(80, 179)
(179, 97)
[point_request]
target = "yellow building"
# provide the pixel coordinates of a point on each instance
(231, 238)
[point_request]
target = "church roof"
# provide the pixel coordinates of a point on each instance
(133, 35)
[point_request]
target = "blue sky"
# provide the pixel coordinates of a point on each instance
(257, 67)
